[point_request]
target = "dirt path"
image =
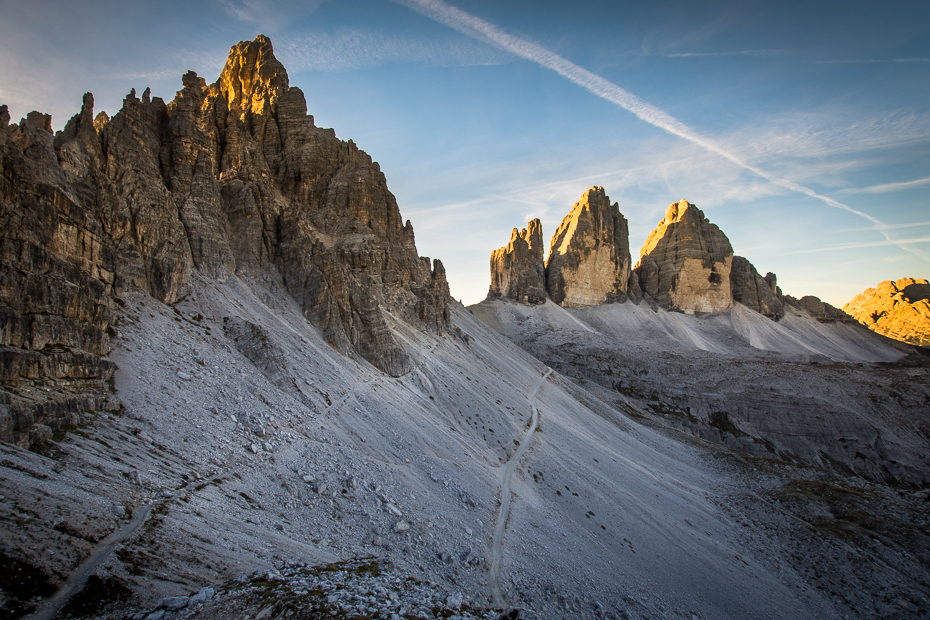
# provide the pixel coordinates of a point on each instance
(102, 552)
(51, 606)
(504, 511)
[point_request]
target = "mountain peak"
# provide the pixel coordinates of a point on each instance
(898, 309)
(253, 78)
(589, 256)
(685, 262)
(517, 270)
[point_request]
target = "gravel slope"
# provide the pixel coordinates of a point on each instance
(260, 448)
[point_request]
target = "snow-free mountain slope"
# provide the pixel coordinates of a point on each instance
(327, 458)
(796, 389)
(223, 356)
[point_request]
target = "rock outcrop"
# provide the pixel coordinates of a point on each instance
(589, 256)
(685, 263)
(898, 309)
(517, 269)
(819, 310)
(57, 273)
(754, 291)
(228, 178)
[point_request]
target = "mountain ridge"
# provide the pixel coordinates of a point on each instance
(686, 264)
(227, 178)
(227, 362)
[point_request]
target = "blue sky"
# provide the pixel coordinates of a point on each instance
(802, 129)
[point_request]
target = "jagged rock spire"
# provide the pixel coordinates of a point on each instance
(755, 292)
(589, 256)
(685, 262)
(252, 79)
(228, 179)
(517, 269)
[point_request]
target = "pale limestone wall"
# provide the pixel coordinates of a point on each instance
(589, 256)
(685, 262)
(694, 290)
(593, 281)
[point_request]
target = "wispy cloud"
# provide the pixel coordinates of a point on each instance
(356, 49)
(477, 28)
(832, 131)
(901, 243)
(269, 15)
(644, 178)
(890, 227)
(206, 63)
(887, 188)
(726, 54)
(872, 60)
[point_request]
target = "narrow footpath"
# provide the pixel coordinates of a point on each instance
(504, 511)
(50, 607)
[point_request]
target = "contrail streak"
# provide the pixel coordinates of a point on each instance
(890, 187)
(477, 28)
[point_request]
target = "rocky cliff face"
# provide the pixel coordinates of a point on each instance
(57, 272)
(589, 256)
(819, 310)
(685, 263)
(898, 309)
(228, 178)
(517, 269)
(754, 291)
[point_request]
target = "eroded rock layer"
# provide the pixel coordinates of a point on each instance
(685, 263)
(819, 310)
(228, 178)
(898, 309)
(517, 269)
(589, 256)
(754, 291)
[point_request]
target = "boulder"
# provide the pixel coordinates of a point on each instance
(686, 261)
(589, 256)
(517, 269)
(897, 309)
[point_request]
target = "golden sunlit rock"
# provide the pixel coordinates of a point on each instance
(589, 256)
(517, 269)
(685, 263)
(898, 309)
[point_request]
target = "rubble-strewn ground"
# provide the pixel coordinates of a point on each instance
(830, 395)
(247, 445)
(358, 588)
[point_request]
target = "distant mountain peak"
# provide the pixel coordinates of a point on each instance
(517, 270)
(685, 262)
(589, 255)
(899, 309)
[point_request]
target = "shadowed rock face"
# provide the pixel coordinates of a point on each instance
(685, 263)
(589, 256)
(819, 310)
(754, 291)
(898, 309)
(517, 269)
(228, 178)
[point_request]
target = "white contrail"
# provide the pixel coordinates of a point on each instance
(889, 187)
(477, 28)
